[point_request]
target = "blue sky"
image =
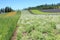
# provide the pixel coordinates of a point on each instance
(20, 4)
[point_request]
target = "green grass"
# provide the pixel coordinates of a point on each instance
(37, 12)
(8, 25)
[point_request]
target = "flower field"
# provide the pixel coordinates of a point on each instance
(30, 26)
(38, 27)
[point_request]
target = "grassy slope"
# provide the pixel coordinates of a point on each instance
(8, 25)
(38, 27)
(37, 12)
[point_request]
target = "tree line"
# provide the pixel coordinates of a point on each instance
(6, 9)
(46, 6)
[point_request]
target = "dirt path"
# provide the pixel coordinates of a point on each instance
(26, 14)
(14, 36)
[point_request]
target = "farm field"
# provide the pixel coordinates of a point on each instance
(29, 19)
(38, 27)
(43, 12)
(8, 23)
(30, 26)
(51, 10)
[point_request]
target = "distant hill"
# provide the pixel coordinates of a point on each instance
(46, 6)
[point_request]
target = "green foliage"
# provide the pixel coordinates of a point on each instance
(6, 9)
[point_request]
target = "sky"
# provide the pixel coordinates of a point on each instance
(20, 4)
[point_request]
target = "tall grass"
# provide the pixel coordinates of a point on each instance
(8, 25)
